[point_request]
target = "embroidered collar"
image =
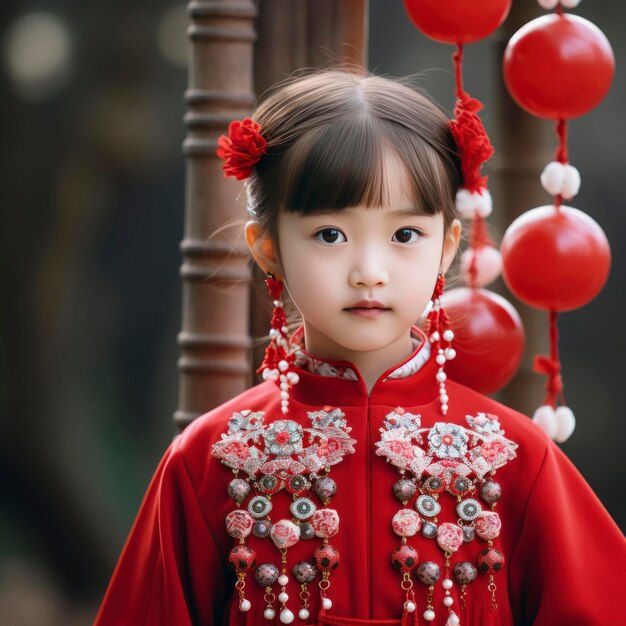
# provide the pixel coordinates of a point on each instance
(314, 365)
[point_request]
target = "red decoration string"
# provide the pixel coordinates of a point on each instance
(550, 366)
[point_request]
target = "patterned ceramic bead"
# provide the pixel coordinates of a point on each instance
(266, 574)
(259, 507)
(268, 483)
(459, 485)
(296, 484)
(302, 508)
(285, 534)
(326, 558)
(468, 509)
(468, 533)
(242, 558)
(325, 523)
(449, 537)
(239, 524)
(428, 572)
(490, 491)
(429, 530)
(325, 488)
(306, 531)
(465, 572)
(404, 558)
(489, 560)
(304, 572)
(262, 528)
(406, 523)
(488, 525)
(434, 484)
(404, 489)
(239, 490)
(428, 506)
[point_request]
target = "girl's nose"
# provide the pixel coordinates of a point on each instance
(369, 271)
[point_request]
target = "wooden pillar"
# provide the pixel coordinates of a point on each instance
(525, 145)
(214, 363)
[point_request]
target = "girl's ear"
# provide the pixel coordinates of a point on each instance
(450, 245)
(262, 248)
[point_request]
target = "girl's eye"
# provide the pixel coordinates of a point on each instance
(406, 235)
(330, 235)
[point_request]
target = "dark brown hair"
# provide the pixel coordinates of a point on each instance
(327, 133)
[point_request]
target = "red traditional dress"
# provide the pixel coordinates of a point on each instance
(482, 488)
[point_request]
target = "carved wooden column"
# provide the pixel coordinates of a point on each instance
(214, 363)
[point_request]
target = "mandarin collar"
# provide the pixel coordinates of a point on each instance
(419, 387)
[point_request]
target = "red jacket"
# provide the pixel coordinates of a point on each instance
(564, 555)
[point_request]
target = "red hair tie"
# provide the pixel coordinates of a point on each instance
(242, 149)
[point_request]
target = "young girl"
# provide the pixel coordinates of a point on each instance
(357, 484)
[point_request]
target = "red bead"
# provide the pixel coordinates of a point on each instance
(326, 558)
(404, 558)
(490, 560)
(242, 558)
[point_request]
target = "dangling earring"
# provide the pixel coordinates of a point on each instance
(438, 328)
(278, 355)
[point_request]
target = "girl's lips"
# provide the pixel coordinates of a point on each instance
(370, 312)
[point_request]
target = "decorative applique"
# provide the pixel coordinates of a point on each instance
(284, 455)
(461, 461)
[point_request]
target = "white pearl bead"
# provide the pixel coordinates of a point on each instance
(450, 353)
(434, 337)
(444, 408)
(444, 398)
(409, 606)
(303, 614)
(447, 583)
(448, 335)
(441, 359)
(429, 615)
(441, 376)
(245, 605)
(283, 579)
(283, 597)
(284, 395)
(283, 366)
(285, 410)
(448, 601)
(273, 332)
(278, 303)
(327, 603)
(286, 616)
(284, 386)
(269, 613)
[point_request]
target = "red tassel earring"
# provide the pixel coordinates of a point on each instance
(437, 327)
(279, 356)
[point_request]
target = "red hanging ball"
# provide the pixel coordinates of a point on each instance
(558, 66)
(488, 338)
(557, 260)
(457, 21)
(242, 558)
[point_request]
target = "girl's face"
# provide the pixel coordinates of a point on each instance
(362, 276)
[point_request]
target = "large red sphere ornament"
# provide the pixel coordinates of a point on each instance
(488, 338)
(457, 21)
(558, 66)
(556, 260)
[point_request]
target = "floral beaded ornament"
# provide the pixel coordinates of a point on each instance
(462, 462)
(276, 457)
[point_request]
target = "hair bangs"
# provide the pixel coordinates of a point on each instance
(337, 166)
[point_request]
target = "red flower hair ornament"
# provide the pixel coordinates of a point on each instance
(242, 149)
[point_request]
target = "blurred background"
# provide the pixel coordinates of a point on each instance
(93, 184)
